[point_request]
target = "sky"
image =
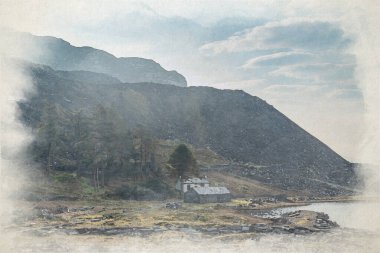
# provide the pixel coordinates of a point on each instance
(299, 56)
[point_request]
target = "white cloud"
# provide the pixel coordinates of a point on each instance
(278, 58)
(313, 35)
(318, 72)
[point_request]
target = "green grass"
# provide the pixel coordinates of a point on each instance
(86, 186)
(65, 177)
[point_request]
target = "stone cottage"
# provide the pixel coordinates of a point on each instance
(207, 195)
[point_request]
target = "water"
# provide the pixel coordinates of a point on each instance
(356, 215)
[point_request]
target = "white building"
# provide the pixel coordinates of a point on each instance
(183, 185)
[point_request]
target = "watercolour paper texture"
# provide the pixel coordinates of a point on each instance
(192, 126)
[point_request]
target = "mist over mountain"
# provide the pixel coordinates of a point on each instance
(61, 55)
(259, 141)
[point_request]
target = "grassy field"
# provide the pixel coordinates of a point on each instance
(87, 214)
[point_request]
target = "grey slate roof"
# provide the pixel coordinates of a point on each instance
(195, 180)
(211, 190)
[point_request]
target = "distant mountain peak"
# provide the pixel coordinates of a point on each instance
(61, 55)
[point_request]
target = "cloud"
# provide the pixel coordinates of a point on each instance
(318, 72)
(280, 58)
(354, 94)
(302, 34)
(301, 58)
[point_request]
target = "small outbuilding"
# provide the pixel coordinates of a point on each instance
(207, 195)
(183, 185)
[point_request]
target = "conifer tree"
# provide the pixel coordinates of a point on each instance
(183, 161)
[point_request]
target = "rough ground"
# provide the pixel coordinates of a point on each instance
(145, 218)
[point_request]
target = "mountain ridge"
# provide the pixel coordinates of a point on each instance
(62, 55)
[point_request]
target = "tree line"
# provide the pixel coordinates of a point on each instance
(98, 145)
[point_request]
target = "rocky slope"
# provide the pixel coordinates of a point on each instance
(261, 142)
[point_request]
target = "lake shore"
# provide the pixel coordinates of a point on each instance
(114, 217)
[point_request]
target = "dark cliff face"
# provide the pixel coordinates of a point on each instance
(61, 55)
(241, 127)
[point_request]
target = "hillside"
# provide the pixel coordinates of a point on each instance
(258, 141)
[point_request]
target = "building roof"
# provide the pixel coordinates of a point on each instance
(196, 180)
(211, 190)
